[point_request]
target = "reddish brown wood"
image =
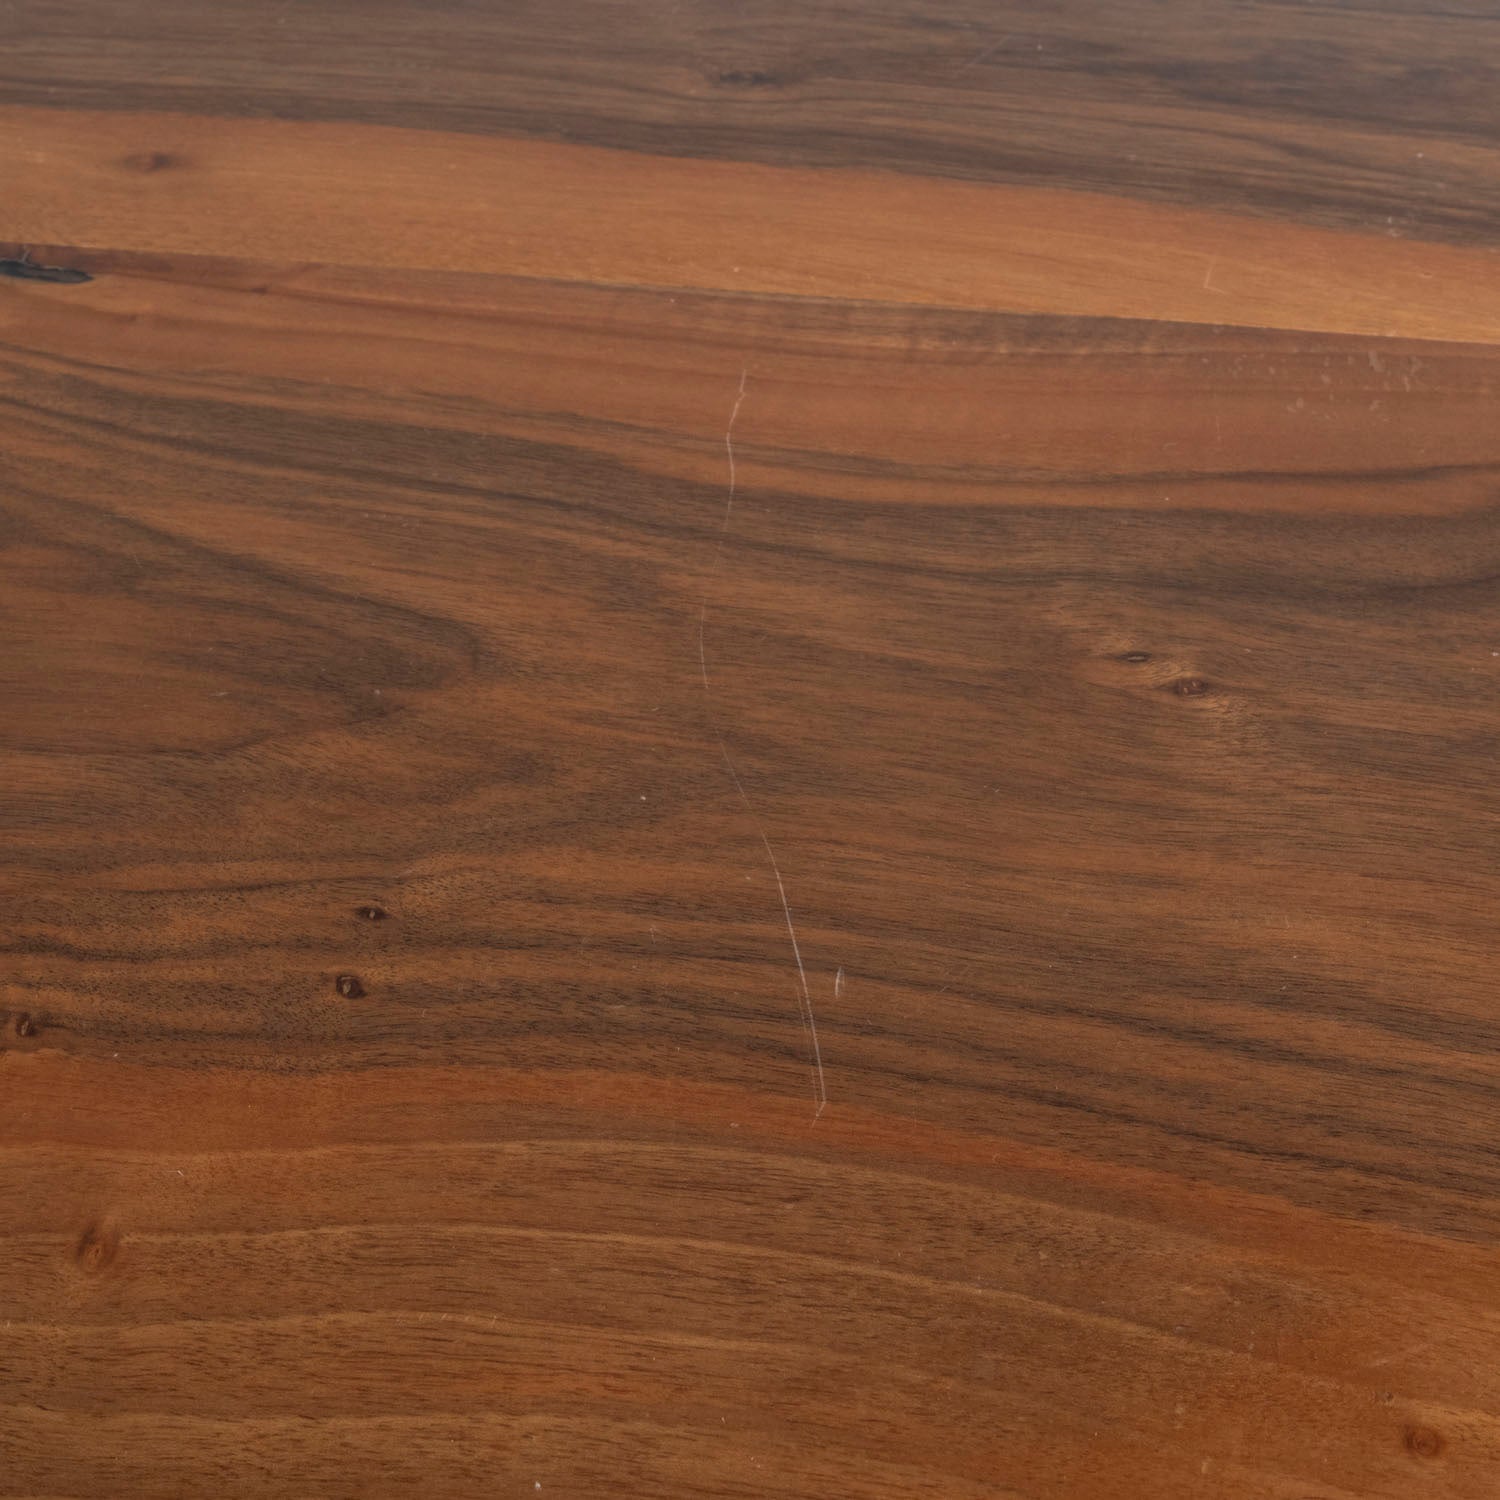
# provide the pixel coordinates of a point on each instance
(768, 787)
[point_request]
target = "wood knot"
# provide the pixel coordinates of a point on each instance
(1424, 1442)
(348, 986)
(97, 1247)
(150, 161)
(1190, 687)
(753, 78)
(371, 913)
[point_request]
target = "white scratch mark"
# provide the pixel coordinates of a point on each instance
(1207, 284)
(734, 411)
(838, 983)
(1402, 1353)
(809, 1022)
(820, 1088)
(983, 55)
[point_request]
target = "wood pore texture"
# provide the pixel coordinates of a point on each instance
(748, 751)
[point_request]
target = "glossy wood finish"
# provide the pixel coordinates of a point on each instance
(749, 751)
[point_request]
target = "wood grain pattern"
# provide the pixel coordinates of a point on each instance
(749, 789)
(158, 184)
(1373, 114)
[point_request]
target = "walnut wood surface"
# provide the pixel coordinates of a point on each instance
(750, 751)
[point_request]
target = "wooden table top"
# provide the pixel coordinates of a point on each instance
(749, 750)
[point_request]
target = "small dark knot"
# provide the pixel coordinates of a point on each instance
(348, 986)
(25, 1026)
(753, 78)
(1422, 1441)
(150, 161)
(97, 1247)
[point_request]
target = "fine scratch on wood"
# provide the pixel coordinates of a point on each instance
(983, 55)
(734, 412)
(820, 1090)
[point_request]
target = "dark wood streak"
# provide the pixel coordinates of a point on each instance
(29, 270)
